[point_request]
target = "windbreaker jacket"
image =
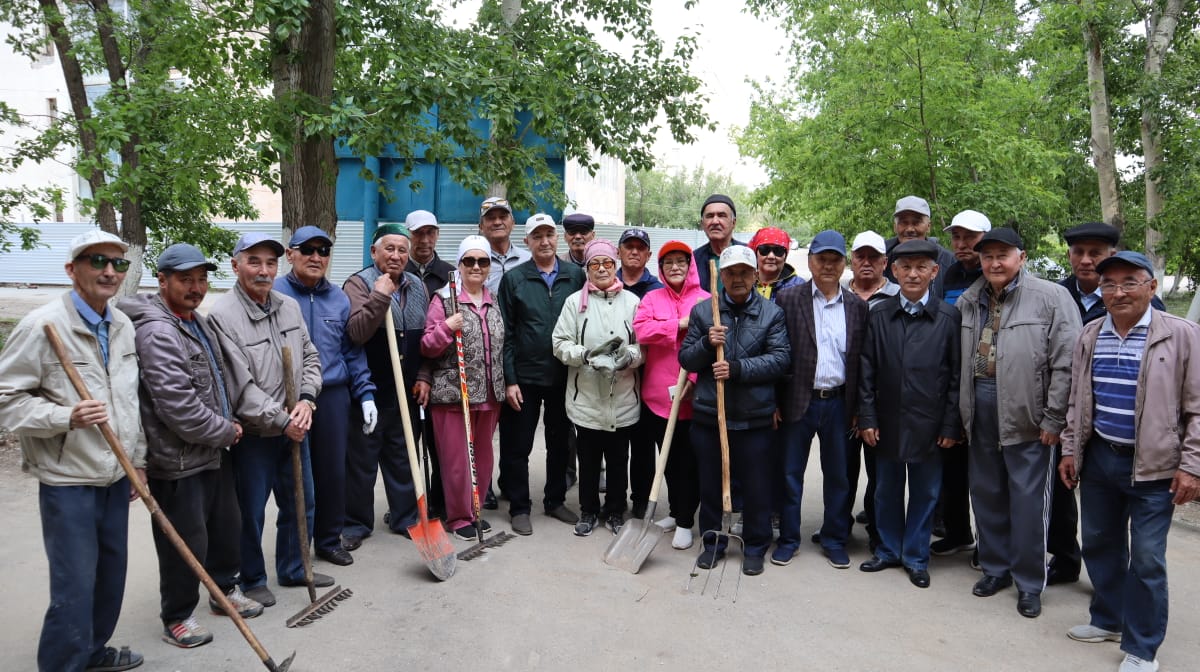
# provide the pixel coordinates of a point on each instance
(181, 401)
(326, 310)
(656, 326)
(36, 397)
(908, 385)
(757, 349)
(597, 399)
(1167, 410)
(1038, 328)
(530, 311)
(645, 284)
(253, 341)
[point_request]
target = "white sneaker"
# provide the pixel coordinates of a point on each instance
(1134, 664)
(667, 524)
(246, 607)
(1092, 634)
(683, 538)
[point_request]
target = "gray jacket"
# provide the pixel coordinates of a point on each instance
(1039, 324)
(253, 341)
(183, 406)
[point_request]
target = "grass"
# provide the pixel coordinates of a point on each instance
(1178, 304)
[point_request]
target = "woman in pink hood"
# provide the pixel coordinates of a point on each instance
(660, 325)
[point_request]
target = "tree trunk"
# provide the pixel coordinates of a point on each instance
(1161, 30)
(302, 70)
(1103, 156)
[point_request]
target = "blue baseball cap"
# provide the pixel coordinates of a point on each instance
(183, 257)
(307, 233)
(250, 240)
(1136, 259)
(828, 241)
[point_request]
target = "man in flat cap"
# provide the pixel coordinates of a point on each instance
(910, 221)
(253, 322)
(496, 224)
(188, 417)
(908, 410)
(345, 383)
(1132, 444)
(580, 229)
(83, 494)
(1017, 336)
(381, 287)
(718, 219)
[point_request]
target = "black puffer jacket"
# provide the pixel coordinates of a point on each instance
(182, 412)
(757, 349)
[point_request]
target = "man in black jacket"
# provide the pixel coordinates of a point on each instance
(908, 408)
(911, 221)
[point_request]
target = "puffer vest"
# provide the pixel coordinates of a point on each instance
(482, 366)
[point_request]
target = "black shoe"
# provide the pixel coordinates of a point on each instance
(490, 502)
(709, 558)
(1029, 605)
(861, 518)
(990, 585)
(338, 556)
(752, 565)
(878, 564)
(918, 577)
(1060, 572)
(816, 538)
(638, 511)
(939, 529)
(351, 543)
(572, 479)
(466, 533)
(615, 522)
(319, 581)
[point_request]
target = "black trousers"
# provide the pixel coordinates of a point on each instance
(204, 509)
(1062, 540)
(750, 459)
(857, 456)
(956, 494)
(327, 441)
(517, 429)
(643, 458)
(612, 447)
(383, 451)
(683, 482)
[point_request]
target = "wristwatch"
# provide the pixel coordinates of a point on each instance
(312, 405)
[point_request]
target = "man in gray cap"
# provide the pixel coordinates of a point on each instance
(253, 322)
(83, 494)
(910, 221)
(496, 224)
(188, 418)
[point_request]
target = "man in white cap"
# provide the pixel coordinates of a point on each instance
(423, 259)
(910, 221)
(83, 493)
(496, 224)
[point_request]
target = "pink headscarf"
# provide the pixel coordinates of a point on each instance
(599, 248)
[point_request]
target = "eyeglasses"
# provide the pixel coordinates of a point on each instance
(99, 261)
(1126, 287)
(681, 263)
(489, 204)
(472, 262)
(768, 250)
(307, 250)
(607, 264)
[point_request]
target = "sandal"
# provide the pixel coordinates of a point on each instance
(116, 661)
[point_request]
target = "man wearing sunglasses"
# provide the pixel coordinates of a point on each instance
(345, 379)
(83, 492)
(496, 224)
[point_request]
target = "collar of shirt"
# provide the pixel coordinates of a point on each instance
(89, 315)
(986, 294)
(1089, 299)
(1142, 323)
(551, 275)
(818, 295)
(907, 305)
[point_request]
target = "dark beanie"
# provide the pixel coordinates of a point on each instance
(719, 198)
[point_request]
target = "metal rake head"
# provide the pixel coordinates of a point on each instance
(716, 535)
(325, 604)
(478, 549)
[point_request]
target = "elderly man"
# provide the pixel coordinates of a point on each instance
(188, 418)
(718, 218)
(345, 378)
(911, 222)
(496, 224)
(253, 322)
(965, 230)
(1017, 335)
(381, 287)
(1132, 444)
(580, 229)
(826, 325)
(531, 298)
(83, 494)
(634, 249)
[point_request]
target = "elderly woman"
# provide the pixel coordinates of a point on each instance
(660, 325)
(475, 314)
(594, 338)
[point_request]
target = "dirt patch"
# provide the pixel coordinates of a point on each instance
(10, 453)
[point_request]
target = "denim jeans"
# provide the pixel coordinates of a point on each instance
(1125, 527)
(825, 419)
(904, 535)
(263, 466)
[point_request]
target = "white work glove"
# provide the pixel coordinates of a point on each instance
(370, 416)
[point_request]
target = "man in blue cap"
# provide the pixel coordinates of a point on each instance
(345, 378)
(826, 325)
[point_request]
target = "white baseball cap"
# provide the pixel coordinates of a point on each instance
(540, 219)
(970, 220)
(94, 237)
(869, 239)
(419, 219)
(738, 254)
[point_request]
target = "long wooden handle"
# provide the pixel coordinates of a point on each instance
(414, 463)
(290, 398)
(681, 389)
(722, 431)
(156, 513)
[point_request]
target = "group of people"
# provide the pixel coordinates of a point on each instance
(956, 374)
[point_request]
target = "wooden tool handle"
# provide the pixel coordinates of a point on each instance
(414, 463)
(681, 389)
(290, 398)
(722, 431)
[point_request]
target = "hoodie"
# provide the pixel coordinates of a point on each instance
(656, 326)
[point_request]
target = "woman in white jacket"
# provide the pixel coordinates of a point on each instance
(594, 338)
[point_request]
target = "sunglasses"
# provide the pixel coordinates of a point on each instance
(472, 262)
(607, 264)
(488, 205)
(99, 261)
(307, 250)
(768, 250)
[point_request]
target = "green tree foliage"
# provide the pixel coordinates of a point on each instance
(672, 198)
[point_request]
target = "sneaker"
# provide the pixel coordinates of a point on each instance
(950, 547)
(587, 523)
(838, 557)
(683, 539)
(709, 558)
(861, 517)
(466, 533)
(667, 524)
(1134, 664)
(262, 595)
(783, 556)
(246, 607)
(615, 522)
(1092, 634)
(562, 513)
(186, 634)
(752, 565)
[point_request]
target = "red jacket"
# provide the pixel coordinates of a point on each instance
(656, 326)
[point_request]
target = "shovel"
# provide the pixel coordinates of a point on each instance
(638, 538)
(430, 537)
(329, 601)
(157, 514)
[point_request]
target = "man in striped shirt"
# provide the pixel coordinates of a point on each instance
(1134, 458)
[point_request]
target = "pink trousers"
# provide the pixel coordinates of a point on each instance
(454, 461)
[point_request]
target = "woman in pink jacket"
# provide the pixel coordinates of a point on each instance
(660, 325)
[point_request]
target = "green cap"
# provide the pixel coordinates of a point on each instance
(390, 229)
